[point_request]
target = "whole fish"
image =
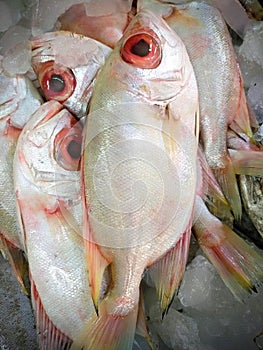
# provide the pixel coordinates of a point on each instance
(66, 65)
(139, 171)
(46, 177)
(18, 100)
(222, 98)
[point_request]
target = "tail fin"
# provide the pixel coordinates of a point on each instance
(109, 331)
(240, 267)
(167, 273)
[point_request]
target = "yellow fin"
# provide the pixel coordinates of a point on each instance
(107, 331)
(227, 180)
(167, 272)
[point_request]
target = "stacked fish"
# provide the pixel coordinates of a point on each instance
(125, 140)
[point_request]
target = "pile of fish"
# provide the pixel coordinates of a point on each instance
(125, 131)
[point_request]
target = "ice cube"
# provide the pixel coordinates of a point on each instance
(177, 331)
(195, 290)
(255, 97)
(250, 53)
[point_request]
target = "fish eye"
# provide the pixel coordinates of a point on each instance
(57, 82)
(68, 148)
(142, 50)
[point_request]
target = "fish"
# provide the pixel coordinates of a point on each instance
(46, 183)
(138, 172)
(66, 65)
(223, 104)
(18, 100)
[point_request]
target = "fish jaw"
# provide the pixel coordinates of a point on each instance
(81, 62)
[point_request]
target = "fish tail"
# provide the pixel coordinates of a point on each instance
(110, 330)
(226, 178)
(17, 260)
(247, 162)
(167, 273)
(238, 264)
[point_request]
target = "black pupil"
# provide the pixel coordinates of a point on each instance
(56, 83)
(74, 149)
(141, 48)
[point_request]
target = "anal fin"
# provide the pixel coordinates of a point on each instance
(167, 272)
(49, 336)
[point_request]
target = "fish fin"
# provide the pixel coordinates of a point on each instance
(49, 336)
(96, 264)
(241, 121)
(209, 183)
(17, 260)
(167, 272)
(227, 180)
(141, 326)
(247, 162)
(238, 264)
(109, 331)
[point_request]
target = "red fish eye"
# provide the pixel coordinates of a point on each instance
(57, 82)
(68, 146)
(142, 50)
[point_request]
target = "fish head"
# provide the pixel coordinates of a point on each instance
(49, 150)
(66, 65)
(151, 59)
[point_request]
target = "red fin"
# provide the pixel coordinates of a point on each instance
(17, 260)
(241, 121)
(240, 267)
(49, 336)
(247, 162)
(227, 180)
(167, 272)
(211, 191)
(107, 331)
